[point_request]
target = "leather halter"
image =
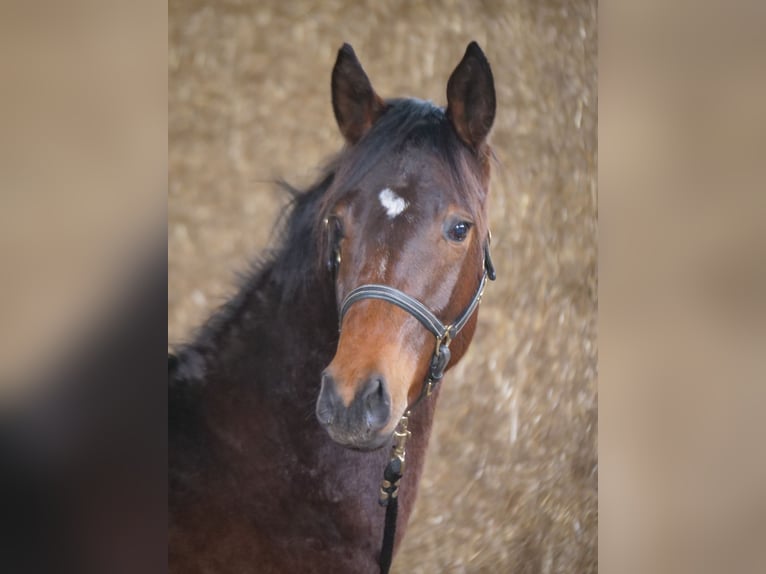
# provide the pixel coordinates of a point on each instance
(444, 333)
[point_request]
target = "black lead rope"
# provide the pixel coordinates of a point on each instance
(392, 475)
(389, 492)
(392, 510)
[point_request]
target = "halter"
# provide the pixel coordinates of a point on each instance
(444, 334)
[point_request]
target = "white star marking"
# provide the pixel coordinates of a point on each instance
(392, 203)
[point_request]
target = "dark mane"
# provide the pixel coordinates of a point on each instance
(282, 273)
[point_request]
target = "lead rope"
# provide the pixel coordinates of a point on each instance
(389, 491)
(392, 475)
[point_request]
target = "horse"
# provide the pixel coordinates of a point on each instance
(283, 404)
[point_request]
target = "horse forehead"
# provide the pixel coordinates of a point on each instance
(392, 205)
(417, 189)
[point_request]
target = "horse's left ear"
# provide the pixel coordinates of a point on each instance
(471, 97)
(355, 103)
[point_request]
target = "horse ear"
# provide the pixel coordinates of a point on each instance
(471, 97)
(355, 103)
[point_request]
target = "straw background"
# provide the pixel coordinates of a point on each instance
(510, 484)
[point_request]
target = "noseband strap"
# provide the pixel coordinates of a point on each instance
(442, 332)
(414, 307)
(398, 298)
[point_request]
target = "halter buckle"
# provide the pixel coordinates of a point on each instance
(444, 341)
(439, 360)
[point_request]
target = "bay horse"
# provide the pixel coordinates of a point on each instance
(281, 408)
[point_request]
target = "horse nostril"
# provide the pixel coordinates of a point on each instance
(377, 403)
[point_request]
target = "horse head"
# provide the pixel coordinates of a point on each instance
(407, 209)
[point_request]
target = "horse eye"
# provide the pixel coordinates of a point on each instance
(459, 231)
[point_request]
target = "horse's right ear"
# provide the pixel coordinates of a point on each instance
(355, 103)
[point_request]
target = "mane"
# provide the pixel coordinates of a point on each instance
(294, 266)
(284, 272)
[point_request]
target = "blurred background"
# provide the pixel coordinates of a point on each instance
(510, 483)
(83, 370)
(83, 159)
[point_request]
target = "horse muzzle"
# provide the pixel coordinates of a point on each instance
(357, 424)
